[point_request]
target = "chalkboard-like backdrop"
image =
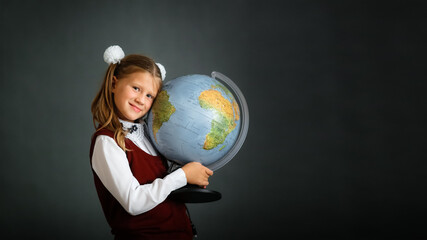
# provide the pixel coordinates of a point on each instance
(336, 91)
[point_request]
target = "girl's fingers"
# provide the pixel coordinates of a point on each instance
(209, 172)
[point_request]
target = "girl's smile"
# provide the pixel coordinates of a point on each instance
(135, 108)
(134, 94)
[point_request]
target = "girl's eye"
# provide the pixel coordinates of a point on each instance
(136, 88)
(149, 96)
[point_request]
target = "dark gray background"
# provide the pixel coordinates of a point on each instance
(336, 91)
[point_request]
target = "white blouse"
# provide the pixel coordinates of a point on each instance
(112, 167)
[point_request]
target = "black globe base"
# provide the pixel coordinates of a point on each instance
(194, 194)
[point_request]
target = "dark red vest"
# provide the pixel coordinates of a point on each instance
(168, 220)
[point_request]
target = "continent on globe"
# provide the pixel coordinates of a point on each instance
(226, 114)
(162, 111)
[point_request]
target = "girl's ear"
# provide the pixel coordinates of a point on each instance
(114, 83)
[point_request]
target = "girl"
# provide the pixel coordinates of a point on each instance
(130, 176)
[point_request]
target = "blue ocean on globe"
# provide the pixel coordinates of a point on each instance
(194, 118)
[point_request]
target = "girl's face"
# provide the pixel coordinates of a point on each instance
(134, 94)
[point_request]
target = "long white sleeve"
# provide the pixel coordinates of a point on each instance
(112, 167)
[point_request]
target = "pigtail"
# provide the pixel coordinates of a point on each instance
(103, 109)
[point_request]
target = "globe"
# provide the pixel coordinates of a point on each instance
(199, 118)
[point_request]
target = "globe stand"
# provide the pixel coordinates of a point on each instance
(194, 194)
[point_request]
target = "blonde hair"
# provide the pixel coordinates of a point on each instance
(104, 110)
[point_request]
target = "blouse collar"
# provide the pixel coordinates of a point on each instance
(136, 133)
(131, 127)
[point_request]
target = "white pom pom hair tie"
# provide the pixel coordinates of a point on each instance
(162, 71)
(113, 54)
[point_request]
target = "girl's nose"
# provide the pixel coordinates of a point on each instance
(140, 100)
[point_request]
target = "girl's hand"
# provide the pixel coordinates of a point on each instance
(197, 174)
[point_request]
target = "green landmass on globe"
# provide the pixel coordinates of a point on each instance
(224, 123)
(226, 114)
(162, 111)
